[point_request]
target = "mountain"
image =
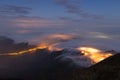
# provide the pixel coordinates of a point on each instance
(40, 65)
(108, 69)
(8, 45)
(57, 65)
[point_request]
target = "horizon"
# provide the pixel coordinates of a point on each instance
(59, 39)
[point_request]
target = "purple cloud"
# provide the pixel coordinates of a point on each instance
(74, 7)
(12, 10)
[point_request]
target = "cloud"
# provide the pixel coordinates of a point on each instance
(69, 19)
(30, 27)
(74, 7)
(38, 65)
(8, 45)
(24, 31)
(55, 38)
(13, 10)
(30, 22)
(73, 57)
(62, 2)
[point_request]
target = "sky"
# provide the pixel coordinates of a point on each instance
(94, 22)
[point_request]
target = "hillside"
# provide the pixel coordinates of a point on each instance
(58, 65)
(108, 69)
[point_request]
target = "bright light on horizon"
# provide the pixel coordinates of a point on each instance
(94, 54)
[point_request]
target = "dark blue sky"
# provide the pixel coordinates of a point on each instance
(107, 8)
(96, 22)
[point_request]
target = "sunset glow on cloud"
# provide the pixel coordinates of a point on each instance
(59, 39)
(35, 19)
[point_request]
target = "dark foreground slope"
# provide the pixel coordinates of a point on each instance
(42, 65)
(108, 69)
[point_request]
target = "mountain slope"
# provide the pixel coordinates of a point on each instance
(44, 65)
(108, 69)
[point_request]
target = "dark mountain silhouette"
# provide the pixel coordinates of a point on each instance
(46, 65)
(42, 65)
(9, 45)
(36, 66)
(108, 69)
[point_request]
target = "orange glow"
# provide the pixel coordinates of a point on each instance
(94, 54)
(20, 52)
(48, 46)
(61, 36)
(41, 46)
